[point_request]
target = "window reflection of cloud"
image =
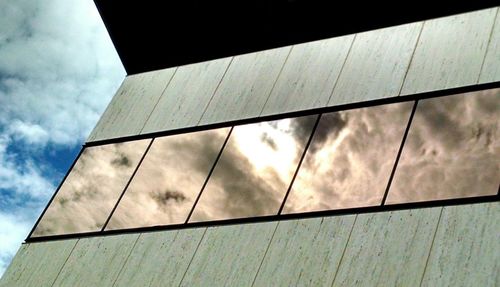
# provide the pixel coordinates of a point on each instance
(255, 169)
(86, 198)
(350, 159)
(169, 180)
(452, 149)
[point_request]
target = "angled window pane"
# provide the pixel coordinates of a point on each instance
(255, 170)
(350, 159)
(89, 193)
(452, 149)
(169, 179)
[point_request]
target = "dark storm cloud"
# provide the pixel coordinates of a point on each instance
(163, 198)
(330, 126)
(302, 126)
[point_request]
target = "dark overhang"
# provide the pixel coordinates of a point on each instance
(154, 34)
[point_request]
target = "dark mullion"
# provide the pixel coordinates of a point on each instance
(300, 163)
(55, 193)
(271, 218)
(208, 176)
(315, 111)
(126, 186)
(393, 171)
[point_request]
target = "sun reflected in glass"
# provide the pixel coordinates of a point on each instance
(255, 169)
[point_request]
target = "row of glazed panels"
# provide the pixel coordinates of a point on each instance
(328, 161)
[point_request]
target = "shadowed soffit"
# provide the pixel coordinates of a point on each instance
(152, 34)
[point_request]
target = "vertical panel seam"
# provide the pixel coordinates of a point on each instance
(64, 264)
(93, 134)
(411, 58)
(195, 203)
(341, 70)
(313, 130)
(126, 186)
(192, 257)
(265, 253)
(487, 46)
(431, 247)
(276, 81)
(215, 91)
(343, 251)
(159, 98)
(400, 151)
(126, 260)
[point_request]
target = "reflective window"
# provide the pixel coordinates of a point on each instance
(89, 193)
(169, 179)
(452, 149)
(255, 170)
(350, 159)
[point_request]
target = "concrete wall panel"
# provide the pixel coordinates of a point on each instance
(37, 264)
(376, 65)
(388, 248)
(187, 96)
(466, 250)
(305, 252)
(132, 104)
(246, 86)
(229, 255)
(96, 261)
(491, 66)
(160, 258)
(450, 52)
(309, 75)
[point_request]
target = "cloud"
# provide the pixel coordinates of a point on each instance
(252, 176)
(13, 229)
(452, 150)
(349, 159)
(91, 190)
(58, 70)
(169, 180)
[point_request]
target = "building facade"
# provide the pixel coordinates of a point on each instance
(387, 82)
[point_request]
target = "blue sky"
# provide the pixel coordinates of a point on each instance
(58, 71)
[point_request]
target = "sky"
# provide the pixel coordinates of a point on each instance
(58, 71)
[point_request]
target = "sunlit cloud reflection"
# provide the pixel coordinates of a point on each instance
(255, 169)
(350, 159)
(452, 150)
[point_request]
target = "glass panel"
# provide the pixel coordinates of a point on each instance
(92, 188)
(169, 180)
(452, 149)
(255, 170)
(350, 159)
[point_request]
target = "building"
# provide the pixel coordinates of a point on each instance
(409, 113)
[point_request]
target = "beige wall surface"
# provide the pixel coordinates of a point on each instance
(431, 55)
(440, 246)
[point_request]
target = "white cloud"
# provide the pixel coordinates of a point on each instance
(13, 230)
(58, 70)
